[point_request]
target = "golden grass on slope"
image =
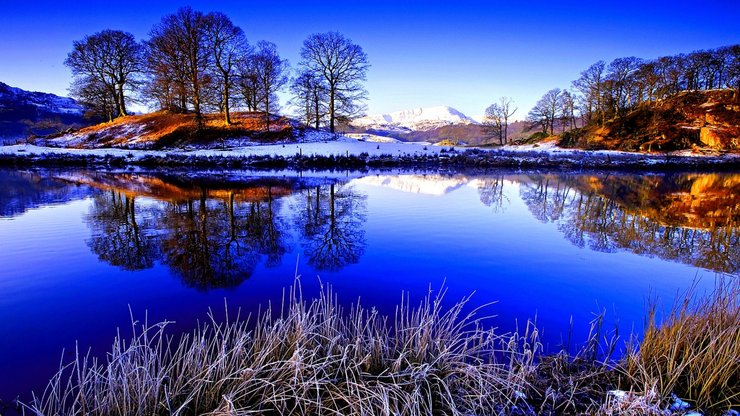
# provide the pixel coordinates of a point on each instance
(695, 351)
(162, 129)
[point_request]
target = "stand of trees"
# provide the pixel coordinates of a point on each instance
(606, 91)
(196, 63)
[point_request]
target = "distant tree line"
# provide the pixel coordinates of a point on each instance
(604, 92)
(196, 63)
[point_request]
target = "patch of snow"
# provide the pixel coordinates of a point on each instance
(314, 143)
(678, 405)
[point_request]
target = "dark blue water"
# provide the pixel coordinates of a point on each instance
(79, 250)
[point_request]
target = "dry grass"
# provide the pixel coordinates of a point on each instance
(695, 351)
(310, 357)
(313, 357)
(162, 129)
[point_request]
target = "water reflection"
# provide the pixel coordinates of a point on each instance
(210, 235)
(120, 235)
(331, 223)
(21, 191)
(689, 218)
(213, 232)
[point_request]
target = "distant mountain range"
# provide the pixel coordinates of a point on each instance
(418, 119)
(432, 124)
(23, 113)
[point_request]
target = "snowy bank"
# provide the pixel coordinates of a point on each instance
(323, 151)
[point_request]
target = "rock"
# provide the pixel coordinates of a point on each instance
(710, 137)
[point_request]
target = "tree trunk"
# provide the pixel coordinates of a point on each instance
(267, 112)
(226, 100)
(332, 91)
(121, 101)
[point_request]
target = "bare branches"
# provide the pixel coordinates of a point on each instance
(105, 67)
(343, 66)
(496, 119)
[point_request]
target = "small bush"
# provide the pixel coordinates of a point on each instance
(571, 138)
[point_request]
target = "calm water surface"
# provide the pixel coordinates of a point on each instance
(79, 250)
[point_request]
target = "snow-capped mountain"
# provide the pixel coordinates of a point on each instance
(25, 112)
(418, 119)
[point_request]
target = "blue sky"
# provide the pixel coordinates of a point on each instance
(423, 53)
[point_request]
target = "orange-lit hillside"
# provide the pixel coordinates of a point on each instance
(689, 120)
(164, 129)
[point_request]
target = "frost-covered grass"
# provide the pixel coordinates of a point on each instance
(312, 356)
(303, 357)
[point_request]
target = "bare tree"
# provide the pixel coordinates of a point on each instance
(106, 64)
(545, 112)
(493, 122)
(567, 107)
(96, 97)
(180, 40)
(271, 74)
(589, 85)
(343, 65)
(228, 46)
(309, 97)
(248, 83)
(496, 119)
(623, 82)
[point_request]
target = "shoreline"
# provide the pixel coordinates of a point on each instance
(355, 155)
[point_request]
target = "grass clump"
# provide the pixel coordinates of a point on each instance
(695, 351)
(314, 357)
(309, 357)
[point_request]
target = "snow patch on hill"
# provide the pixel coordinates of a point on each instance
(44, 102)
(418, 119)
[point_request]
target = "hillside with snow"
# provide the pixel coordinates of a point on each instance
(23, 113)
(418, 119)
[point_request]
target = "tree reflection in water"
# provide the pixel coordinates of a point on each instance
(119, 237)
(689, 218)
(215, 238)
(331, 221)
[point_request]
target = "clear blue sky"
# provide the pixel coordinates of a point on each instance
(423, 53)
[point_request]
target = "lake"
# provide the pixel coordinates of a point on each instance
(83, 251)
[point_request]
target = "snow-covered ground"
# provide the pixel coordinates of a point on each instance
(325, 144)
(314, 144)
